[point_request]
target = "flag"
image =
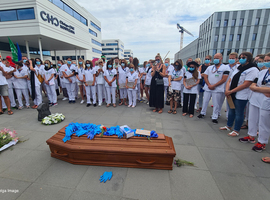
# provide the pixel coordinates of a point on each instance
(19, 52)
(13, 50)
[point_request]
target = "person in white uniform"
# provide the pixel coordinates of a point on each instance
(26, 66)
(20, 84)
(50, 83)
(121, 77)
(165, 78)
(79, 76)
(69, 72)
(100, 81)
(110, 75)
(137, 70)
(237, 89)
(131, 85)
(215, 77)
(10, 80)
(143, 73)
(60, 64)
(89, 78)
(148, 78)
(259, 109)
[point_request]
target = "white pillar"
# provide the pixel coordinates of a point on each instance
(27, 49)
(55, 57)
(40, 48)
(76, 56)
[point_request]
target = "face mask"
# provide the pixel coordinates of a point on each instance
(19, 69)
(267, 64)
(110, 66)
(69, 62)
(46, 65)
(123, 64)
(206, 61)
(80, 63)
(131, 69)
(158, 61)
(87, 65)
(59, 65)
(141, 66)
(24, 61)
(231, 61)
(191, 69)
(243, 61)
(177, 67)
(166, 64)
(260, 65)
(216, 61)
(148, 65)
(38, 63)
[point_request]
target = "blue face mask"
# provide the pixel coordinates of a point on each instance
(80, 63)
(148, 65)
(191, 69)
(131, 69)
(24, 61)
(87, 65)
(231, 61)
(166, 64)
(59, 65)
(38, 62)
(216, 61)
(69, 62)
(46, 65)
(260, 65)
(267, 64)
(109, 66)
(206, 61)
(123, 64)
(243, 61)
(158, 61)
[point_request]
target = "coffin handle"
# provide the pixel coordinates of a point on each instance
(145, 163)
(58, 154)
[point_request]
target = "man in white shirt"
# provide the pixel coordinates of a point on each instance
(215, 77)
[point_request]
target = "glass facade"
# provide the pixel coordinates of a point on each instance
(218, 23)
(257, 21)
(225, 23)
(96, 51)
(111, 54)
(231, 37)
(223, 38)
(233, 22)
(96, 42)
(95, 26)
(238, 37)
(17, 14)
(126, 52)
(92, 32)
(107, 49)
(241, 22)
(111, 44)
(254, 36)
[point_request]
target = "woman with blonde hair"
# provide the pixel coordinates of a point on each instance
(121, 78)
(81, 68)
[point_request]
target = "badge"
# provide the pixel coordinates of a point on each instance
(217, 75)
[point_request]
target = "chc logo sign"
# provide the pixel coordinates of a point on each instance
(54, 21)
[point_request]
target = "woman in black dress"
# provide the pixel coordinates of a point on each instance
(157, 85)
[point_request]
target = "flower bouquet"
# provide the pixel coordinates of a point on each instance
(103, 130)
(53, 119)
(7, 138)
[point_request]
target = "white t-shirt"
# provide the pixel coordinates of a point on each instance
(256, 98)
(176, 85)
(48, 74)
(39, 71)
(148, 77)
(110, 75)
(100, 77)
(20, 83)
(10, 80)
(80, 74)
(132, 78)
(166, 79)
(3, 80)
(122, 74)
(247, 75)
(215, 76)
(68, 71)
(142, 70)
(266, 100)
(184, 72)
(89, 74)
(194, 89)
(138, 72)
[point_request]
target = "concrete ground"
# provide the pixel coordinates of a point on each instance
(225, 168)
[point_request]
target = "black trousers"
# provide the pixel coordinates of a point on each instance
(189, 103)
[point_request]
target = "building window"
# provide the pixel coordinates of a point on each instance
(126, 52)
(225, 23)
(228, 52)
(216, 38)
(257, 21)
(214, 51)
(68, 9)
(102, 45)
(93, 32)
(241, 22)
(57, 58)
(96, 51)
(218, 23)
(223, 38)
(238, 37)
(18, 14)
(231, 37)
(233, 22)
(111, 44)
(122, 46)
(110, 54)
(58, 3)
(222, 51)
(95, 26)
(96, 42)
(237, 50)
(254, 36)
(107, 49)
(118, 49)
(251, 51)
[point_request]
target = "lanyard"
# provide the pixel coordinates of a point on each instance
(176, 74)
(214, 67)
(265, 77)
(110, 72)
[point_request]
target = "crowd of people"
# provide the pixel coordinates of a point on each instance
(244, 82)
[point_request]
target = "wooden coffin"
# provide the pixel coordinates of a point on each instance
(135, 152)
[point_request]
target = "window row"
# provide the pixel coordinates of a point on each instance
(119, 49)
(96, 42)
(238, 38)
(95, 26)
(111, 44)
(92, 32)
(17, 14)
(230, 51)
(112, 54)
(233, 22)
(96, 51)
(69, 10)
(126, 52)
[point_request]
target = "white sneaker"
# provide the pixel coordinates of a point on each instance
(129, 106)
(99, 105)
(133, 106)
(82, 101)
(65, 98)
(20, 108)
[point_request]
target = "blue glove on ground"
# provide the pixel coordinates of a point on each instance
(106, 176)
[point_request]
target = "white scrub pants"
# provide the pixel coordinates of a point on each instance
(216, 101)
(110, 92)
(90, 92)
(71, 90)
(264, 126)
(123, 93)
(38, 97)
(11, 96)
(4, 106)
(51, 93)
(101, 92)
(253, 120)
(29, 87)
(56, 84)
(19, 93)
(222, 98)
(139, 90)
(165, 92)
(132, 97)
(76, 90)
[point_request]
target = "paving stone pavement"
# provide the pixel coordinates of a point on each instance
(224, 168)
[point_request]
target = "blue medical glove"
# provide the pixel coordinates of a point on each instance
(105, 177)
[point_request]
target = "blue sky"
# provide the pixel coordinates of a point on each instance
(149, 27)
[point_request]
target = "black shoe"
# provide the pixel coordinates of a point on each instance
(88, 105)
(73, 101)
(95, 105)
(215, 121)
(69, 101)
(200, 116)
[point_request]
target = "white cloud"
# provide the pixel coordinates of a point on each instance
(149, 27)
